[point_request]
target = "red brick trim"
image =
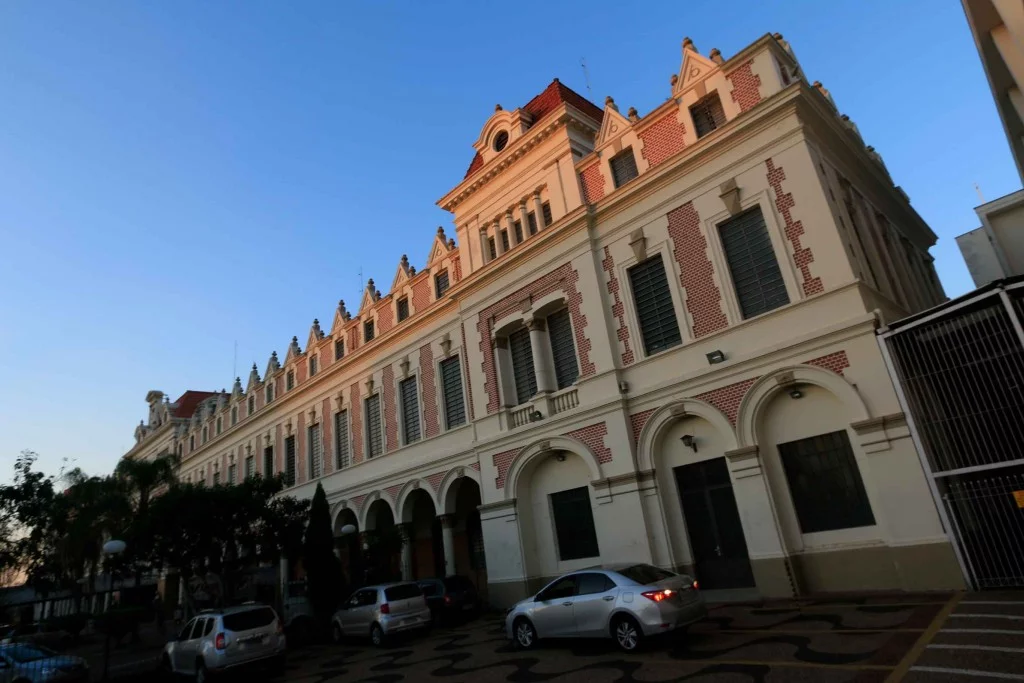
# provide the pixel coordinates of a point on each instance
(592, 182)
(836, 362)
(696, 273)
(435, 482)
(456, 267)
(465, 370)
(353, 338)
(390, 414)
(745, 86)
(421, 294)
(728, 398)
(356, 426)
(385, 315)
(392, 493)
(593, 436)
(502, 461)
(637, 422)
(357, 503)
(794, 229)
(618, 309)
(431, 421)
(475, 466)
(565, 278)
(662, 139)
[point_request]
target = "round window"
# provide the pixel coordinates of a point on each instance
(500, 140)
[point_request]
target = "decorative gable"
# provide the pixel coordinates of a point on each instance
(293, 351)
(341, 316)
(402, 275)
(503, 128)
(273, 365)
(315, 334)
(254, 379)
(440, 248)
(693, 71)
(370, 297)
(613, 125)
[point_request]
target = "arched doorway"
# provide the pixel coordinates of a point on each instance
(467, 546)
(424, 535)
(382, 545)
(346, 540)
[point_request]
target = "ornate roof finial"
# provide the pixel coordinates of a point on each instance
(412, 270)
(451, 242)
(497, 107)
(777, 36)
(688, 44)
(405, 261)
(440, 231)
(369, 284)
(610, 103)
(716, 55)
(295, 340)
(673, 79)
(254, 366)
(273, 354)
(633, 115)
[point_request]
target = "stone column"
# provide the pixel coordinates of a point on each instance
(405, 531)
(499, 245)
(524, 217)
(484, 248)
(506, 382)
(448, 542)
(510, 226)
(538, 208)
(541, 348)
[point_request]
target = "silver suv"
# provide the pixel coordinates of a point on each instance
(218, 641)
(380, 611)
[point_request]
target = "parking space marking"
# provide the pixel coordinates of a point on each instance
(770, 663)
(1014, 617)
(985, 648)
(992, 602)
(967, 672)
(914, 652)
(995, 631)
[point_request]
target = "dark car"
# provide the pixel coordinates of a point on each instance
(451, 598)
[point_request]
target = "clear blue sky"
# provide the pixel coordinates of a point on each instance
(176, 176)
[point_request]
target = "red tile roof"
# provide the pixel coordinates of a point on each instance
(543, 104)
(187, 402)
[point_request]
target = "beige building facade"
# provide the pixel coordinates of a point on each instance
(651, 339)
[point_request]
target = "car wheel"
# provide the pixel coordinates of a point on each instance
(201, 676)
(336, 635)
(524, 633)
(377, 635)
(627, 634)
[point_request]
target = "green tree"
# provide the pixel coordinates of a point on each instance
(323, 569)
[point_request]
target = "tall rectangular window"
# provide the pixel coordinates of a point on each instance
(441, 283)
(289, 461)
(234, 415)
(232, 473)
(250, 467)
(623, 167)
(374, 435)
(268, 462)
(545, 210)
(825, 483)
(531, 223)
(655, 312)
(491, 248)
(517, 226)
(574, 524)
(289, 380)
(563, 348)
(402, 307)
(216, 478)
(316, 450)
(191, 442)
(368, 331)
(523, 372)
(220, 424)
(341, 449)
(339, 349)
(314, 365)
(206, 433)
(408, 394)
(251, 406)
(752, 264)
(270, 391)
(504, 240)
(707, 114)
(451, 388)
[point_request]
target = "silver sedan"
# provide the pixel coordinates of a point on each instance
(626, 602)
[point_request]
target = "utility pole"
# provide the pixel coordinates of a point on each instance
(586, 77)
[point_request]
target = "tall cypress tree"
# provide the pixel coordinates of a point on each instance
(323, 570)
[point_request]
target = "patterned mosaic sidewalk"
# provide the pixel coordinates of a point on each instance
(855, 640)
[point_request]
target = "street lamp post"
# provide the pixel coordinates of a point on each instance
(111, 549)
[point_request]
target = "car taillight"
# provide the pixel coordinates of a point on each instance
(280, 626)
(447, 599)
(696, 586)
(658, 596)
(220, 642)
(385, 608)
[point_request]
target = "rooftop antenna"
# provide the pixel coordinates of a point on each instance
(978, 190)
(234, 362)
(586, 76)
(360, 280)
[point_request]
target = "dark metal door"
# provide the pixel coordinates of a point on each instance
(713, 523)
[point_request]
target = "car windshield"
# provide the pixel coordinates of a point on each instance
(402, 592)
(430, 588)
(28, 653)
(645, 574)
(249, 619)
(457, 583)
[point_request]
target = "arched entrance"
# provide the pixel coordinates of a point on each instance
(382, 544)
(346, 540)
(423, 530)
(466, 544)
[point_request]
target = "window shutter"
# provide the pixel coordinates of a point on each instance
(251, 404)
(522, 365)
(655, 312)
(368, 330)
(316, 451)
(441, 283)
(410, 409)
(623, 167)
(490, 246)
(341, 436)
(451, 387)
(563, 348)
(545, 209)
(375, 438)
(708, 114)
(518, 227)
(403, 309)
(289, 461)
(755, 271)
(504, 240)
(232, 469)
(314, 365)
(339, 349)
(531, 223)
(574, 524)
(268, 462)
(250, 467)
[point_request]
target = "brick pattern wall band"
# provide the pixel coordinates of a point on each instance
(474, 466)
(435, 482)
(421, 293)
(746, 86)
(357, 503)
(392, 493)
(565, 278)
(593, 436)
(637, 422)
(390, 413)
(662, 139)
(592, 182)
(618, 309)
(836, 362)
(385, 316)
(794, 229)
(431, 420)
(355, 426)
(696, 273)
(456, 267)
(465, 370)
(353, 338)
(502, 461)
(727, 399)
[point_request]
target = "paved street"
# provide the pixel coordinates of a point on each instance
(856, 640)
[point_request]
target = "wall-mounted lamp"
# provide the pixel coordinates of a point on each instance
(536, 416)
(560, 456)
(796, 393)
(689, 441)
(716, 357)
